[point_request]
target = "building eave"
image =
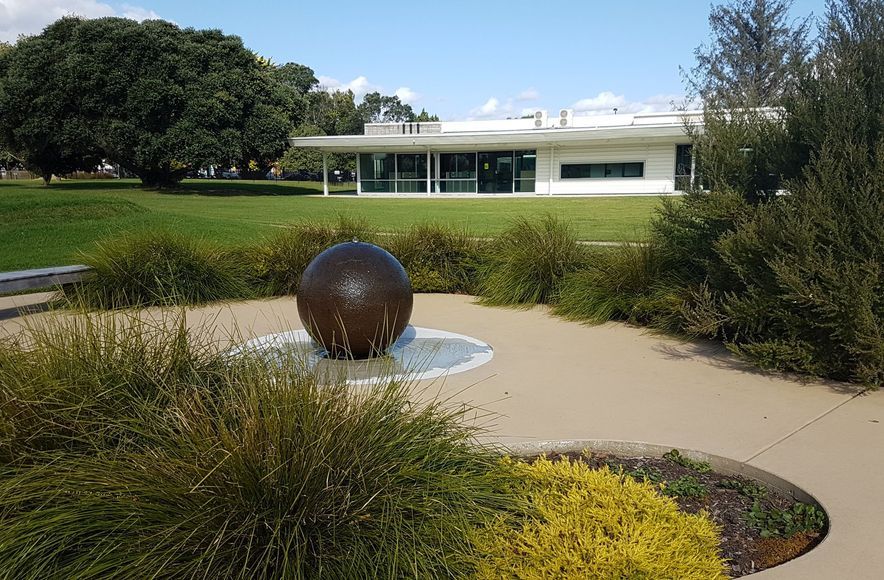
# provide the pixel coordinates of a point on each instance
(485, 139)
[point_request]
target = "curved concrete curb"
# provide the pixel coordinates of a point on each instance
(720, 464)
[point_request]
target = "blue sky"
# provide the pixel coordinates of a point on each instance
(459, 59)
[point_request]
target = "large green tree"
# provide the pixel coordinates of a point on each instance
(378, 108)
(152, 97)
(39, 125)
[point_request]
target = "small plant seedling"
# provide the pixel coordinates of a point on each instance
(686, 486)
(650, 474)
(776, 523)
(745, 488)
(676, 457)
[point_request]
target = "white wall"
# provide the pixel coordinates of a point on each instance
(659, 170)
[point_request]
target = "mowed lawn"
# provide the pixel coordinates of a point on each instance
(47, 226)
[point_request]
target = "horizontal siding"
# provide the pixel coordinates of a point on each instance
(659, 160)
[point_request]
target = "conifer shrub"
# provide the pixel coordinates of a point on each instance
(158, 269)
(527, 263)
(595, 524)
(278, 262)
(438, 258)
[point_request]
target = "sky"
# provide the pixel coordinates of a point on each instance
(459, 59)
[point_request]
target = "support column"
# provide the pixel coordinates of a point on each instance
(693, 168)
(552, 152)
(429, 182)
(358, 177)
(324, 173)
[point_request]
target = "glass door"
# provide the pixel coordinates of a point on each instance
(495, 173)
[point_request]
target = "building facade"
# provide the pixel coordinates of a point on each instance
(642, 154)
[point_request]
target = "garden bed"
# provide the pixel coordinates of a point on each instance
(761, 526)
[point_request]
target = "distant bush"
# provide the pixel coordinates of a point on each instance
(278, 262)
(595, 524)
(437, 257)
(526, 264)
(137, 457)
(158, 269)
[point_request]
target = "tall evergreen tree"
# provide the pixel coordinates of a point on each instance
(753, 57)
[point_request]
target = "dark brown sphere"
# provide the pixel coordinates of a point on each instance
(355, 300)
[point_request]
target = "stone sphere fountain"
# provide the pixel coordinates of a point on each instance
(355, 300)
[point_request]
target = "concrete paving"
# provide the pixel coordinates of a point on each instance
(551, 379)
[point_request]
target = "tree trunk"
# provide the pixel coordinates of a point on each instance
(47, 177)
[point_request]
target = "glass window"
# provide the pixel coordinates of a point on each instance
(526, 164)
(633, 169)
(412, 166)
(374, 186)
(411, 186)
(524, 186)
(457, 165)
(457, 186)
(613, 170)
(376, 166)
(601, 170)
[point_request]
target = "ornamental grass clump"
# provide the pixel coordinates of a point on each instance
(243, 469)
(526, 264)
(158, 269)
(278, 262)
(595, 524)
(437, 257)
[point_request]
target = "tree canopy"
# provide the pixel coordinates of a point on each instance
(155, 98)
(754, 56)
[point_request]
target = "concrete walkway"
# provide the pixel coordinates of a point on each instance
(551, 379)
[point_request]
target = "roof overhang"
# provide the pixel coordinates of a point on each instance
(489, 139)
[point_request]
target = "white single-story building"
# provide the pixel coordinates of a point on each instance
(642, 154)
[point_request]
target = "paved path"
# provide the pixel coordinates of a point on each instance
(552, 379)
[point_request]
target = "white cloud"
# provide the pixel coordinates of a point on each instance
(406, 95)
(138, 13)
(528, 95)
(605, 102)
(19, 17)
(360, 85)
(490, 108)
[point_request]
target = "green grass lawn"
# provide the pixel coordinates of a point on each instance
(47, 226)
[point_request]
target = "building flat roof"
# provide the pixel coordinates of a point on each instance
(456, 135)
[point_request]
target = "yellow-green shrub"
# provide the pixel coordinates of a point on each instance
(595, 524)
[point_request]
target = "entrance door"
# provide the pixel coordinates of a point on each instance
(495, 173)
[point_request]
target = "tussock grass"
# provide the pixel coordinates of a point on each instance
(138, 449)
(158, 269)
(629, 282)
(526, 264)
(278, 262)
(437, 257)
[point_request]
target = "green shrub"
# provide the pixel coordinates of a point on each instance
(811, 274)
(438, 258)
(278, 262)
(676, 457)
(595, 524)
(158, 269)
(241, 470)
(526, 264)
